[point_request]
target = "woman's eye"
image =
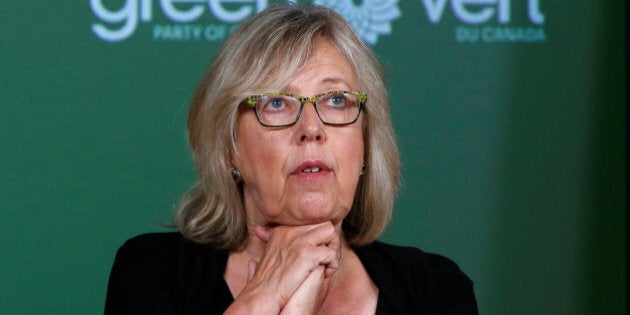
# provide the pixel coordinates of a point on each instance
(337, 100)
(274, 104)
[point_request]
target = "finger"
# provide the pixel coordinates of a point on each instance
(307, 298)
(298, 263)
(320, 256)
(324, 234)
(322, 240)
(329, 271)
(262, 234)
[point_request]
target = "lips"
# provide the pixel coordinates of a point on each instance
(312, 167)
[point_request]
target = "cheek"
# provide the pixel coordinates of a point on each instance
(247, 143)
(357, 145)
(352, 153)
(259, 151)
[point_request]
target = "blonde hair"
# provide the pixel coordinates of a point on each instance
(265, 53)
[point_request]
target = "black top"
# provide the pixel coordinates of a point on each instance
(164, 273)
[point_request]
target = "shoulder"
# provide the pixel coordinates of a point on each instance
(158, 271)
(164, 245)
(155, 249)
(407, 258)
(152, 243)
(426, 282)
(412, 258)
(163, 251)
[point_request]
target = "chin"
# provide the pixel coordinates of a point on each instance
(313, 214)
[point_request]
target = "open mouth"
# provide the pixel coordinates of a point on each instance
(311, 170)
(312, 167)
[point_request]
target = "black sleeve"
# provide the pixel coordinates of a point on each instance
(411, 281)
(140, 279)
(453, 291)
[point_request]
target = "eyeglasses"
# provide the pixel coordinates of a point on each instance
(337, 108)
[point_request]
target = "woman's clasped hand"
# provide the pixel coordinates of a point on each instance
(295, 270)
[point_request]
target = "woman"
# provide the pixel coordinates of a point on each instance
(298, 169)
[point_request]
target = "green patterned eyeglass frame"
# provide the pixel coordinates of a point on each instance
(253, 99)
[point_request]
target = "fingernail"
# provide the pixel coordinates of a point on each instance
(328, 272)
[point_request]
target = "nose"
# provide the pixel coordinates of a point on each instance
(309, 126)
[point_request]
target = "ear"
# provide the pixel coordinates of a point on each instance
(233, 152)
(232, 156)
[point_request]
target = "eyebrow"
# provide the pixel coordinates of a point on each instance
(334, 80)
(328, 80)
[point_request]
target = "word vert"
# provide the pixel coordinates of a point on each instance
(483, 11)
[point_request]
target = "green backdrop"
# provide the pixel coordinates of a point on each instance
(509, 115)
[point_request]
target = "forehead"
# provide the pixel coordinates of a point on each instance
(276, 70)
(326, 69)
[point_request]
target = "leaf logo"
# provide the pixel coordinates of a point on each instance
(369, 19)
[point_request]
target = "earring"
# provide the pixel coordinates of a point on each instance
(235, 173)
(363, 167)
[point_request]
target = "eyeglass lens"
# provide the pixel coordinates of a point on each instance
(332, 108)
